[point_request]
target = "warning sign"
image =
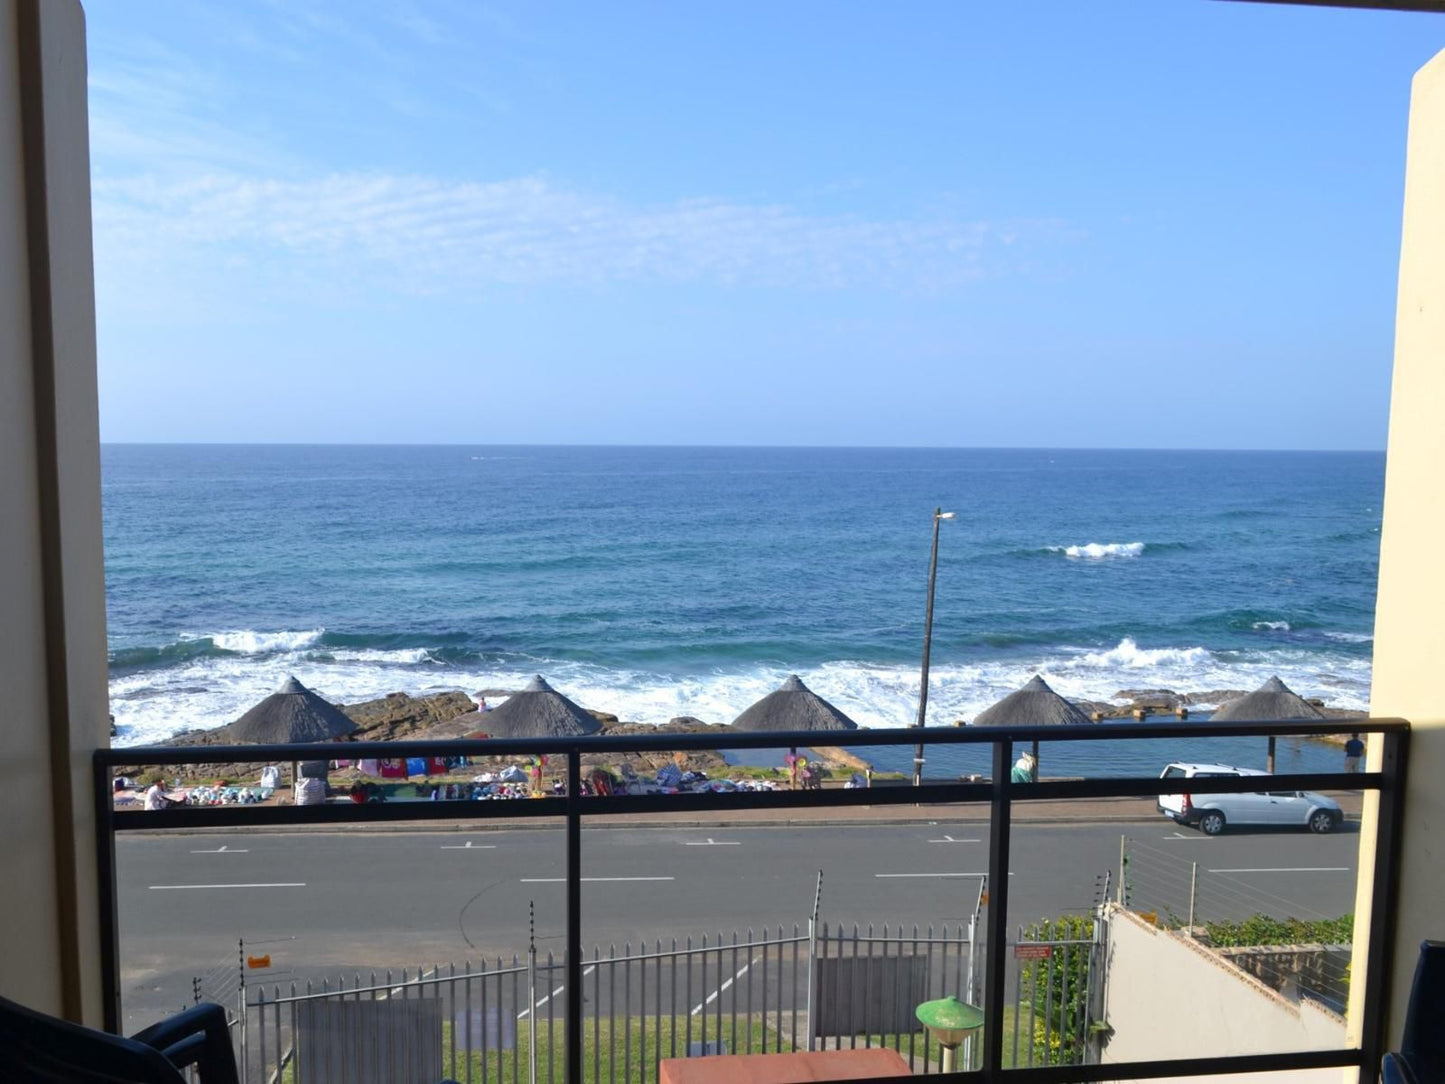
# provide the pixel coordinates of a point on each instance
(1033, 952)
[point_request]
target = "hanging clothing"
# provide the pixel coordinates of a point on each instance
(393, 769)
(416, 765)
(436, 765)
(369, 767)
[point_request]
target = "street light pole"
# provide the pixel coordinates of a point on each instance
(939, 515)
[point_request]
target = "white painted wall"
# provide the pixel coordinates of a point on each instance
(1168, 997)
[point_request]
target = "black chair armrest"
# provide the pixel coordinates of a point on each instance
(199, 1037)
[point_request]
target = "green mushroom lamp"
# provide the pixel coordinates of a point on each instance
(950, 1021)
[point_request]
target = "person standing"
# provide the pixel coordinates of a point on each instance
(1354, 750)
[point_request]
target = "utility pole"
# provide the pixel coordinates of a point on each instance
(939, 515)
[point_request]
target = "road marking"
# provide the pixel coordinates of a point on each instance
(273, 884)
(932, 874)
(542, 1001)
(223, 849)
(1198, 836)
(469, 846)
(561, 880)
(1287, 869)
(950, 839)
(713, 996)
(715, 843)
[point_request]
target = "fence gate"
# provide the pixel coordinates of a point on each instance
(1058, 993)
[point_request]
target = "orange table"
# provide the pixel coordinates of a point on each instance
(783, 1068)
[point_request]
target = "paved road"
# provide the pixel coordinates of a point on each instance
(322, 901)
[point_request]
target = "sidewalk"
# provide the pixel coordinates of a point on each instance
(1057, 811)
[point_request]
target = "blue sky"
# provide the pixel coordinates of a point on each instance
(985, 224)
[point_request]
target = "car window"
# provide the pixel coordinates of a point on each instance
(1173, 772)
(1284, 794)
(1217, 775)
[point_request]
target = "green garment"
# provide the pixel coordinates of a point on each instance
(1020, 774)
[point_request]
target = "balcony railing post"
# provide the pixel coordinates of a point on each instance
(996, 954)
(574, 916)
(1379, 969)
(106, 890)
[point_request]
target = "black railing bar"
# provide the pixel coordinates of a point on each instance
(602, 743)
(1137, 787)
(942, 794)
(670, 954)
(1384, 897)
(223, 816)
(320, 995)
(107, 910)
(1148, 1070)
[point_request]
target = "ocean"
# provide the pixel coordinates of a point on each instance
(657, 582)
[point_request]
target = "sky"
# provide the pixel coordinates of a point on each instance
(1022, 223)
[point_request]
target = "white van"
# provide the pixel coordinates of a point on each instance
(1211, 812)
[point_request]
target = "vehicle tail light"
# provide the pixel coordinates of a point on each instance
(1187, 806)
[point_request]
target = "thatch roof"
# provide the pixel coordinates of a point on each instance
(1271, 702)
(793, 706)
(538, 711)
(1034, 705)
(293, 713)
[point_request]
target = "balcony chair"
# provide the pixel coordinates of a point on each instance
(39, 1049)
(1421, 1057)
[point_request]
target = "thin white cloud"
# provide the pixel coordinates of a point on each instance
(423, 235)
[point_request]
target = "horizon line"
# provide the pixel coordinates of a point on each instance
(734, 447)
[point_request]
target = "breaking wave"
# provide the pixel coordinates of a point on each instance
(1271, 626)
(1096, 551)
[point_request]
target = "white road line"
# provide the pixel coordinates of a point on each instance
(1197, 837)
(223, 849)
(950, 839)
(1288, 869)
(274, 884)
(714, 843)
(562, 880)
(542, 1001)
(469, 846)
(932, 874)
(713, 996)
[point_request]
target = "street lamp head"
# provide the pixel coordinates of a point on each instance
(949, 1019)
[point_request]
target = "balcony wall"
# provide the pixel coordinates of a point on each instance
(52, 589)
(1409, 681)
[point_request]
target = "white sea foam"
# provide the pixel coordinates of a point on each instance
(210, 691)
(1129, 655)
(1349, 637)
(1271, 626)
(250, 642)
(401, 657)
(1096, 551)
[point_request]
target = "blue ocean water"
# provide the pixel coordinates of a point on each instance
(656, 582)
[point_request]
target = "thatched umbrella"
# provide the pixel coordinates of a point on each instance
(1034, 705)
(1272, 702)
(793, 706)
(292, 714)
(538, 711)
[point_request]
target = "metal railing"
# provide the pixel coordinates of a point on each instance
(999, 794)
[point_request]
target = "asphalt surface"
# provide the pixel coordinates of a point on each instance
(324, 902)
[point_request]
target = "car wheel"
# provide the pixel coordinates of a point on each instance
(1322, 821)
(1211, 823)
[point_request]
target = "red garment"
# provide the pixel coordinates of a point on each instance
(393, 769)
(436, 766)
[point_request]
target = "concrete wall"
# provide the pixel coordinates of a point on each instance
(1409, 630)
(1167, 997)
(52, 590)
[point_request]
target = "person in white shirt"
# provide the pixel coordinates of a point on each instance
(156, 797)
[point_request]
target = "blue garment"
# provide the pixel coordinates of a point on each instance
(416, 765)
